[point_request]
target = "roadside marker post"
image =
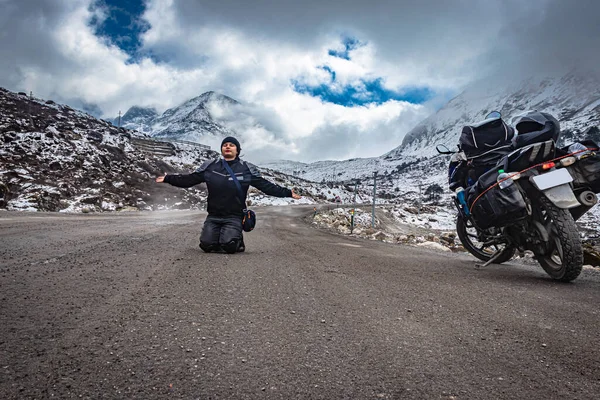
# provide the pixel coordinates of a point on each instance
(374, 194)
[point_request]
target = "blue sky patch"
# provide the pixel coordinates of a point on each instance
(123, 25)
(349, 45)
(363, 92)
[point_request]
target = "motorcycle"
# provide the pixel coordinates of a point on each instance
(520, 192)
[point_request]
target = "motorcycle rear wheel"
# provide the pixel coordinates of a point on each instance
(565, 261)
(467, 234)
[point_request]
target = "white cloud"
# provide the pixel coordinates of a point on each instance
(252, 51)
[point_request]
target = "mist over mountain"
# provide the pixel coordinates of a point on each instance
(137, 118)
(573, 98)
(192, 121)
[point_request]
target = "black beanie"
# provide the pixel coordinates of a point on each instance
(231, 139)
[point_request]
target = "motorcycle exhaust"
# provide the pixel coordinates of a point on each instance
(588, 198)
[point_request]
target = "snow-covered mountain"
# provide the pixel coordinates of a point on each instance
(415, 166)
(137, 118)
(55, 158)
(191, 121)
(574, 99)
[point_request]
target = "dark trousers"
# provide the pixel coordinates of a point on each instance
(221, 233)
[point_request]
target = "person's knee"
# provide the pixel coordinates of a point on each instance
(231, 246)
(208, 247)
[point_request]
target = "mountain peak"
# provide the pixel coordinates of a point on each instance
(574, 99)
(212, 96)
(191, 120)
(136, 116)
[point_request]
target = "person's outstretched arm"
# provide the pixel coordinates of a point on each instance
(268, 187)
(185, 180)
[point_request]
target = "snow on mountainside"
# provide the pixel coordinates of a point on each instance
(55, 158)
(573, 99)
(190, 121)
(415, 165)
(137, 118)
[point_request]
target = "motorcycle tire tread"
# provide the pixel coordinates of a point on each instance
(572, 249)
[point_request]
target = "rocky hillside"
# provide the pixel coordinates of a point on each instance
(55, 158)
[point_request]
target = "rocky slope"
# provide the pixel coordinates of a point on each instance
(55, 158)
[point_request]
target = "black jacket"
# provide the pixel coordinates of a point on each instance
(223, 198)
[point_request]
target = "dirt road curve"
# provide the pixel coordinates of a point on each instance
(127, 306)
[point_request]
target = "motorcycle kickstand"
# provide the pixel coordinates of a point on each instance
(491, 260)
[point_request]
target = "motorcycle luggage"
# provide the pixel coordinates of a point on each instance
(528, 156)
(496, 207)
(477, 140)
(586, 171)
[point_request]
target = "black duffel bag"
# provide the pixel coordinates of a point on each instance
(495, 207)
(586, 171)
(479, 139)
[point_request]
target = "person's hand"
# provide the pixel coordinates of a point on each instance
(160, 179)
(296, 196)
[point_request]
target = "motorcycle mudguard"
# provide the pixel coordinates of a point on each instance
(562, 196)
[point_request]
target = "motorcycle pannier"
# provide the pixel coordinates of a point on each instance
(497, 207)
(586, 171)
(528, 156)
(476, 140)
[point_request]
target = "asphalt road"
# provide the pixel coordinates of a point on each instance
(127, 306)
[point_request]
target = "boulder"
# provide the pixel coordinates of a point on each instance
(448, 237)
(380, 235)
(95, 200)
(591, 255)
(434, 246)
(369, 231)
(432, 237)
(402, 239)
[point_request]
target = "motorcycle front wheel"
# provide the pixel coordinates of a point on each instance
(469, 238)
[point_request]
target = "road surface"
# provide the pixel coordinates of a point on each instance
(127, 306)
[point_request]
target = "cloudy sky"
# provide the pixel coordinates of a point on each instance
(318, 79)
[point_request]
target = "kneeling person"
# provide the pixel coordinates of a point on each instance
(223, 226)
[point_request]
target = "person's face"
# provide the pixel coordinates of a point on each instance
(229, 150)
